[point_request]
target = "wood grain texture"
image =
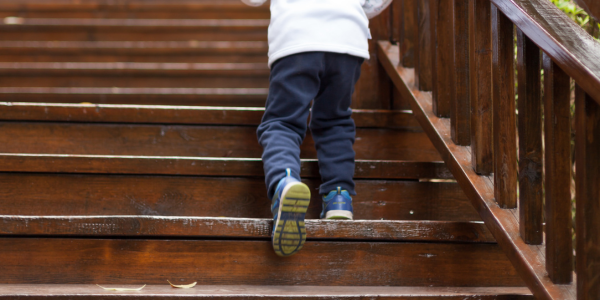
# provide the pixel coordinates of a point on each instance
(202, 227)
(423, 53)
(505, 138)
(460, 107)
(587, 118)
(408, 40)
(110, 261)
(397, 15)
(527, 259)
(573, 49)
(530, 140)
(443, 56)
(480, 68)
(557, 142)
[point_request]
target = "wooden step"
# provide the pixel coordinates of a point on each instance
(89, 194)
(238, 292)
(36, 260)
(51, 29)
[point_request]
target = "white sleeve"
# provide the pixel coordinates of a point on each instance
(254, 2)
(374, 7)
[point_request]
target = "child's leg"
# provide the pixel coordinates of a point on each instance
(331, 124)
(294, 84)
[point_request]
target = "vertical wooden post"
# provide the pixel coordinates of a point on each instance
(460, 108)
(557, 130)
(530, 140)
(396, 11)
(587, 118)
(480, 66)
(423, 53)
(442, 14)
(407, 34)
(505, 144)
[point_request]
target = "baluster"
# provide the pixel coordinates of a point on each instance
(442, 14)
(407, 34)
(587, 118)
(460, 108)
(480, 65)
(505, 144)
(530, 140)
(396, 11)
(423, 53)
(557, 130)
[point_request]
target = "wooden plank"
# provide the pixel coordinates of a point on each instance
(530, 140)
(573, 49)
(480, 68)
(557, 130)
(222, 228)
(198, 141)
(505, 139)
(244, 292)
(423, 54)
(111, 261)
(204, 166)
(80, 195)
(134, 23)
(460, 108)
(408, 40)
(443, 59)
(503, 224)
(587, 118)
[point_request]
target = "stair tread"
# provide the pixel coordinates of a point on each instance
(143, 46)
(259, 291)
(210, 227)
(134, 91)
(166, 23)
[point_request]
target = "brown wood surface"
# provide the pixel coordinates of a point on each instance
(557, 130)
(55, 260)
(408, 40)
(530, 140)
(460, 107)
(423, 53)
(396, 15)
(571, 48)
(80, 195)
(503, 224)
(505, 139)
(587, 118)
(200, 141)
(443, 56)
(480, 68)
(194, 228)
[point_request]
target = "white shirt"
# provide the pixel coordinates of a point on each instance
(339, 26)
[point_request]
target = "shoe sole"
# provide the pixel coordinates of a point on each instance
(290, 232)
(339, 215)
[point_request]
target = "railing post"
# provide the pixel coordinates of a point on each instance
(407, 34)
(423, 53)
(442, 14)
(460, 108)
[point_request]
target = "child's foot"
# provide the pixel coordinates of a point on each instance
(337, 205)
(289, 209)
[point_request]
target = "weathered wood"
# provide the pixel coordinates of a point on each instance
(587, 118)
(557, 142)
(423, 53)
(460, 107)
(571, 48)
(505, 138)
(443, 56)
(408, 40)
(480, 68)
(80, 195)
(34, 260)
(527, 259)
(530, 140)
(245, 292)
(201, 227)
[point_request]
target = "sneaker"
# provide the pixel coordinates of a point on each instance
(289, 207)
(337, 205)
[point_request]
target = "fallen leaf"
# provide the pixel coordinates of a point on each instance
(187, 286)
(121, 289)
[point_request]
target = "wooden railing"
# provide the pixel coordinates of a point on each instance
(455, 62)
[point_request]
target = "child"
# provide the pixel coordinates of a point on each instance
(316, 48)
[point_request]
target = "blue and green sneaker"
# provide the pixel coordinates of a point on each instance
(337, 205)
(289, 207)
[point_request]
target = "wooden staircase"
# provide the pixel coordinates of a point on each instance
(129, 157)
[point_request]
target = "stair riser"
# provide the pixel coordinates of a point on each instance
(97, 56)
(203, 141)
(141, 14)
(48, 194)
(37, 260)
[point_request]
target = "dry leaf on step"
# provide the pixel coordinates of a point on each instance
(121, 289)
(187, 286)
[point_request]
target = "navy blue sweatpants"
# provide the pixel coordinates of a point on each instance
(296, 80)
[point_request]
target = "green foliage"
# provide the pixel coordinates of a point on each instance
(579, 15)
